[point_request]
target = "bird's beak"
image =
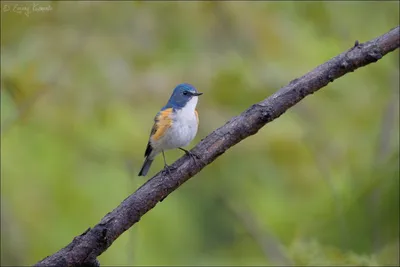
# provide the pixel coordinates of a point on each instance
(197, 94)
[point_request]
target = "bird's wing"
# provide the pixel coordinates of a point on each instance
(162, 122)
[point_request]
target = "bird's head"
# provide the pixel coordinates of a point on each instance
(182, 95)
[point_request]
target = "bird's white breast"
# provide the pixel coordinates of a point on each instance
(184, 126)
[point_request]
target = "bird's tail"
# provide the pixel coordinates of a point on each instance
(146, 166)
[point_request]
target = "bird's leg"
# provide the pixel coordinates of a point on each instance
(192, 155)
(165, 162)
(166, 166)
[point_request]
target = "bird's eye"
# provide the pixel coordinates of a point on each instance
(185, 93)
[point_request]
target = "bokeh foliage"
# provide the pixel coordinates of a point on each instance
(82, 83)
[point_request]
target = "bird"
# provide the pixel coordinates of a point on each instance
(175, 126)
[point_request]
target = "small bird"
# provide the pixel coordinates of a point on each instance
(175, 125)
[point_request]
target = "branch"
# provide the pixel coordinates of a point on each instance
(84, 249)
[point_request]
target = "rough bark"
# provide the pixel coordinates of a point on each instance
(84, 249)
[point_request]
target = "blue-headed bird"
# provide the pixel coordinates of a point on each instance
(175, 126)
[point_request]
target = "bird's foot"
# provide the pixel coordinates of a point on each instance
(168, 169)
(192, 155)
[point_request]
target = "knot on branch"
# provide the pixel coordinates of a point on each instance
(375, 54)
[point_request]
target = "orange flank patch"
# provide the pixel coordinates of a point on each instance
(161, 124)
(197, 116)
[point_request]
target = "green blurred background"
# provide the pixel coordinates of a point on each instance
(81, 84)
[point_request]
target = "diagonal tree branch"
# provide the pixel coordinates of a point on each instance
(84, 249)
